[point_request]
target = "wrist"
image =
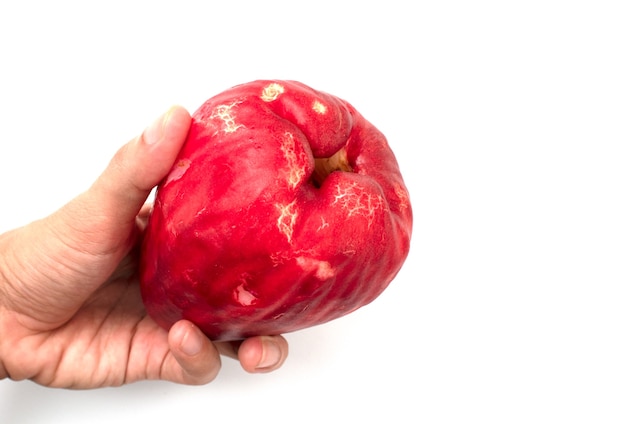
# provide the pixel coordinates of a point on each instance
(4, 310)
(3, 283)
(3, 372)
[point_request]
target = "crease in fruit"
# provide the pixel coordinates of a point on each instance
(326, 166)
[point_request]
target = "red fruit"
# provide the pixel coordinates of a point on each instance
(285, 209)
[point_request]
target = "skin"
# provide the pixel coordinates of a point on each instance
(71, 313)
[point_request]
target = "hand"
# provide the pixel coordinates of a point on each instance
(70, 309)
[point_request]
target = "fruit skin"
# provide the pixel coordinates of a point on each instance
(246, 238)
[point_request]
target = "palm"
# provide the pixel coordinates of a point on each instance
(110, 339)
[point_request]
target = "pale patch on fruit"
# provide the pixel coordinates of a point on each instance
(225, 114)
(287, 219)
(358, 202)
(319, 107)
(323, 270)
(178, 170)
(323, 225)
(277, 258)
(295, 158)
(280, 257)
(402, 195)
(271, 92)
(243, 296)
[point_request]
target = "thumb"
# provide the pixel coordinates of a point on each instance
(73, 251)
(78, 247)
(121, 190)
(102, 220)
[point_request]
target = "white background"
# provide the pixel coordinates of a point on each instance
(508, 120)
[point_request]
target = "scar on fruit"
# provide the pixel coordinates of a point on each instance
(319, 107)
(295, 158)
(227, 116)
(271, 92)
(287, 219)
(178, 170)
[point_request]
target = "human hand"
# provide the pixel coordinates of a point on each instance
(71, 313)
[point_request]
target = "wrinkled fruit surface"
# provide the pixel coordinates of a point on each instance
(285, 209)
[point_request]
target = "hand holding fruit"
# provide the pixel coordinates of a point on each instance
(279, 207)
(71, 313)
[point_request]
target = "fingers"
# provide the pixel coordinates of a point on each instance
(197, 359)
(258, 354)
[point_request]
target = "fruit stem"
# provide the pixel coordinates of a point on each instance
(325, 166)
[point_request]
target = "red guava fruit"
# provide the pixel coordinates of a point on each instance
(284, 209)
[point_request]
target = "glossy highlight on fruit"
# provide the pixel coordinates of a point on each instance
(284, 209)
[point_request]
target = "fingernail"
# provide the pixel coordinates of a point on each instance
(154, 133)
(192, 342)
(271, 355)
